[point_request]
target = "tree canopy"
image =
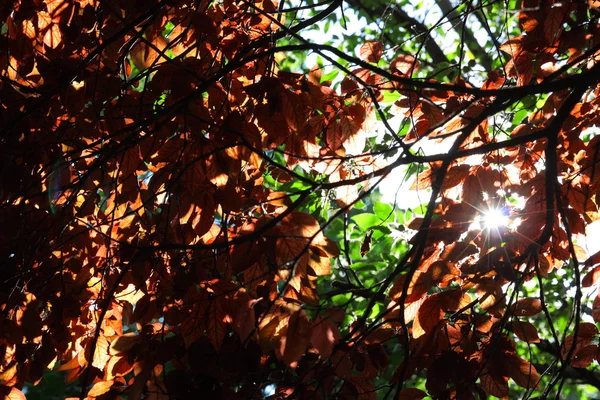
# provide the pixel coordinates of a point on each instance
(247, 199)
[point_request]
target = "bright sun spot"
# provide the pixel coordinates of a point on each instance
(494, 218)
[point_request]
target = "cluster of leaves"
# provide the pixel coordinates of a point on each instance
(182, 217)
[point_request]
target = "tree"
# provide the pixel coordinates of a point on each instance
(188, 210)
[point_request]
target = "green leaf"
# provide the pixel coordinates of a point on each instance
(366, 220)
(384, 211)
(330, 75)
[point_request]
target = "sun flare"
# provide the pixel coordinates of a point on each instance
(494, 218)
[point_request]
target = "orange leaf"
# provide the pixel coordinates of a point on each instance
(100, 388)
(371, 52)
(12, 393)
(101, 355)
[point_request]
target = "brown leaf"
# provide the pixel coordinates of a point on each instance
(366, 244)
(553, 24)
(411, 394)
(585, 356)
(522, 372)
(526, 331)
(596, 309)
(593, 260)
(429, 315)
(495, 385)
(124, 343)
(371, 51)
(324, 335)
(296, 339)
(215, 327)
(366, 390)
(527, 307)
(405, 65)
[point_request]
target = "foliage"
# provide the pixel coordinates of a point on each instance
(189, 210)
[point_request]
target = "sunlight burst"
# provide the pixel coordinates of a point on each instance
(494, 218)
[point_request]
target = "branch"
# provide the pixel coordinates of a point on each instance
(465, 33)
(582, 374)
(414, 26)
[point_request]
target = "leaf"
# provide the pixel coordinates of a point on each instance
(12, 393)
(215, 327)
(411, 394)
(405, 65)
(596, 309)
(495, 385)
(527, 307)
(101, 355)
(593, 260)
(383, 211)
(366, 220)
(100, 388)
(429, 315)
(371, 51)
(323, 337)
(553, 24)
(522, 67)
(124, 343)
(585, 356)
(366, 244)
(245, 318)
(526, 331)
(296, 339)
(522, 372)
(366, 391)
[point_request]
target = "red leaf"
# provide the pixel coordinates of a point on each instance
(371, 52)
